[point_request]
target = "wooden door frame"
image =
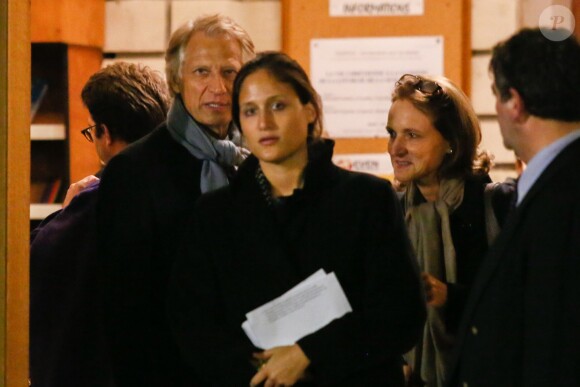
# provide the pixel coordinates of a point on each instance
(576, 12)
(14, 191)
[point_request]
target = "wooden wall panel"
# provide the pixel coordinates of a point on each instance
(82, 63)
(481, 97)
(68, 21)
(493, 20)
(576, 12)
(261, 19)
(135, 26)
(14, 172)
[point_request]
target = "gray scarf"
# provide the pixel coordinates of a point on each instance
(430, 235)
(217, 155)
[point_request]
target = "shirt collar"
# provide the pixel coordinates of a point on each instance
(540, 162)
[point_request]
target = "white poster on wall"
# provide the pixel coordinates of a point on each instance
(374, 163)
(355, 78)
(352, 8)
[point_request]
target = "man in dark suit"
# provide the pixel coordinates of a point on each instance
(148, 191)
(521, 326)
(67, 344)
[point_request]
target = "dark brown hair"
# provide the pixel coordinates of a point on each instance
(285, 70)
(545, 73)
(129, 99)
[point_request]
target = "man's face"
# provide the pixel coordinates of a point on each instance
(208, 70)
(100, 143)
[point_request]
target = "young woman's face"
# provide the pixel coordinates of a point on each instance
(274, 121)
(416, 148)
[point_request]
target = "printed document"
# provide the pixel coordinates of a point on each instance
(302, 310)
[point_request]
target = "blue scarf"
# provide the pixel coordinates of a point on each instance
(217, 155)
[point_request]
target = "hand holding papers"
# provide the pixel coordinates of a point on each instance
(304, 309)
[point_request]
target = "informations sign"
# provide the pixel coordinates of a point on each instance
(355, 78)
(354, 8)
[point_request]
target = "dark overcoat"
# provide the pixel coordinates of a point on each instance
(240, 253)
(147, 192)
(67, 345)
(521, 325)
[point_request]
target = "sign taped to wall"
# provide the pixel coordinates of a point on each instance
(378, 164)
(355, 78)
(354, 8)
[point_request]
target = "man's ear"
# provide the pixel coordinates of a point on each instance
(107, 135)
(516, 106)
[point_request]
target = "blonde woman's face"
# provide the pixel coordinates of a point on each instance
(416, 148)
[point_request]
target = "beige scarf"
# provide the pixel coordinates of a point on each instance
(430, 234)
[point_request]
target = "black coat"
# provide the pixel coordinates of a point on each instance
(468, 230)
(147, 192)
(240, 253)
(67, 345)
(521, 325)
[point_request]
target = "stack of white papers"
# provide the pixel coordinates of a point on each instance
(302, 310)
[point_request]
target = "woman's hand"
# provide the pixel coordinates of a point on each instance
(435, 290)
(284, 366)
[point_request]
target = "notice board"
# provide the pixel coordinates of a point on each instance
(305, 20)
(356, 76)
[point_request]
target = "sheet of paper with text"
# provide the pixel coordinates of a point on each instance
(304, 309)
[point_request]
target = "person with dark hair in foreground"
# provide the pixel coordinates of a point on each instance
(67, 344)
(520, 325)
(288, 213)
